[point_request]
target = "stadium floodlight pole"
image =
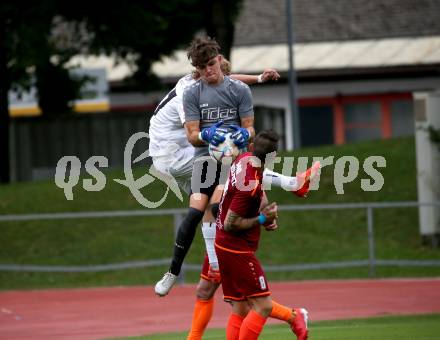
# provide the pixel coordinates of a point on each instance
(296, 140)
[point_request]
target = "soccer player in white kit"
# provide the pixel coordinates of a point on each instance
(169, 147)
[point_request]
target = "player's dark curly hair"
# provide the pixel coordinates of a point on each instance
(265, 142)
(202, 50)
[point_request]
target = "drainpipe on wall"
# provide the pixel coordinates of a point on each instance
(427, 116)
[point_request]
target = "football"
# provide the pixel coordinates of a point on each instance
(226, 152)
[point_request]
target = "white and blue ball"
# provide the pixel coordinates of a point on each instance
(226, 152)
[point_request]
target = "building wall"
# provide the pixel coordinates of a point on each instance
(347, 111)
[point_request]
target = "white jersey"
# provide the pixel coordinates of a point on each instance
(167, 134)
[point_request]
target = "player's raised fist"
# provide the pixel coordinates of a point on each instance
(271, 226)
(270, 211)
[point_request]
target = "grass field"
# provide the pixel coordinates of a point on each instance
(303, 237)
(420, 327)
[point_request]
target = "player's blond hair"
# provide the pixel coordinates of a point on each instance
(225, 66)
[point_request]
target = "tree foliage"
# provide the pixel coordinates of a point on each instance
(38, 38)
(220, 16)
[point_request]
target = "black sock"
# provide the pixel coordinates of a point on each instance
(185, 236)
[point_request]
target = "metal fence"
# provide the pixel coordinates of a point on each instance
(372, 262)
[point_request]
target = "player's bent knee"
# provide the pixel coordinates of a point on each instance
(262, 305)
(206, 289)
(264, 310)
(191, 221)
(241, 308)
(194, 216)
(267, 310)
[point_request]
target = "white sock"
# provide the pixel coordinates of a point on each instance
(209, 230)
(279, 180)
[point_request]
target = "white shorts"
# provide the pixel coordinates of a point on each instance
(179, 165)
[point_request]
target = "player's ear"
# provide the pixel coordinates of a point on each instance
(251, 147)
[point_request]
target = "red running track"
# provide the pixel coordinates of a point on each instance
(96, 313)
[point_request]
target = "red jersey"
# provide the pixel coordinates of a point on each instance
(242, 195)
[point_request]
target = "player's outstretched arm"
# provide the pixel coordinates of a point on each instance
(249, 79)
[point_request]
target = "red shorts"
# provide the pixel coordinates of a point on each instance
(242, 275)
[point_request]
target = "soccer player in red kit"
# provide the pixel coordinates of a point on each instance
(244, 209)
